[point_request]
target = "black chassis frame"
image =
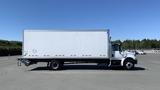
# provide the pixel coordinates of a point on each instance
(85, 60)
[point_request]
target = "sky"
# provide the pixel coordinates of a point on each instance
(126, 19)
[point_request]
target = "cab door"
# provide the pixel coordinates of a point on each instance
(116, 52)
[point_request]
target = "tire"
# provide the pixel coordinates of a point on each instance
(55, 65)
(128, 65)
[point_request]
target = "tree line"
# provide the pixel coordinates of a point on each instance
(10, 48)
(139, 44)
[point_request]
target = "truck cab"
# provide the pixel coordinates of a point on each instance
(122, 58)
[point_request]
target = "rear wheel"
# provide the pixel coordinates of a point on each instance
(128, 65)
(55, 65)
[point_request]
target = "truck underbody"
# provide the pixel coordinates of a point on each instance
(76, 60)
(58, 62)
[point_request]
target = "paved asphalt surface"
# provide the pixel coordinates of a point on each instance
(146, 76)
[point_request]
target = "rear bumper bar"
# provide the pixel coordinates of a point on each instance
(24, 61)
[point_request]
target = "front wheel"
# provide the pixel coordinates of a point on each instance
(128, 65)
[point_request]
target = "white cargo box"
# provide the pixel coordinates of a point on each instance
(66, 44)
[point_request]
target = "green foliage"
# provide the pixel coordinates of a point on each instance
(10, 48)
(141, 44)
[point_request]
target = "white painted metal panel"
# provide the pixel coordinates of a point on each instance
(65, 44)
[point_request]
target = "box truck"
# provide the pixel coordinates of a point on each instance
(55, 47)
